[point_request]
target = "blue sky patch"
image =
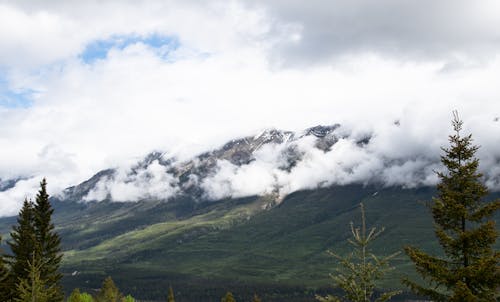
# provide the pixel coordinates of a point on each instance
(9, 98)
(98, 50)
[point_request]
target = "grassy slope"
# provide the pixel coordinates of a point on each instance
(148, 245)
(239, 241)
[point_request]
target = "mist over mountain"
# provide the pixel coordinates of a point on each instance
(273, 162)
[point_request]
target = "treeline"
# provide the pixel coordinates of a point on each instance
(469, 271)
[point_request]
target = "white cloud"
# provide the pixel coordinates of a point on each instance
(151, 182)
(223, 81)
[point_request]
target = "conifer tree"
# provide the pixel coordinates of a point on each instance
(228, 298)
(109, 292)
(22, 245)
(85, 297)
(75, 296)
(360, 270)
(4, 274)
(469, 270)
(128, 298)
(256, 298)
(49, 242)
(34, 288)
(170, 297)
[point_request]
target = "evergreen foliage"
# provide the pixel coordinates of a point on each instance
(128, 298)
(4, 274)
(23, 245)
(469, 270)
(170, 297)
(84, 297)
(228, 298)
(359, 271)
(49, 243)
(76, 296)
(256, 298)
(34, 288)
(109, 292)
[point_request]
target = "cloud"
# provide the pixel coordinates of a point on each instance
(134, 184)
(94, 85)
(455, 31)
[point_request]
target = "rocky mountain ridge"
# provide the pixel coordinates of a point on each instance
(188, 175)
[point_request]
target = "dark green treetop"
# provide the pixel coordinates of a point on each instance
(109, 292)
(469, 270)
(23, 246)
(4, 274)
(49, 242)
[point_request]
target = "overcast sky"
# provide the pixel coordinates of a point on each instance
(87, 85)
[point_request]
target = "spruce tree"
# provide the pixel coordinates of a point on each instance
(228, 297)
(75, 296)
(360, 270)
(34, 288)
(23, 245)
(170, 297)
(256, 298)
(4, 274)
(469, 269)
(48, 241)
(109, 292)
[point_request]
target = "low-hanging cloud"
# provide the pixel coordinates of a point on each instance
(371, 67)
(150, 182)
(348, 161)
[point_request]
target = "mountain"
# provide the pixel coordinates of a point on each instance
(273, 244)
(188, 175)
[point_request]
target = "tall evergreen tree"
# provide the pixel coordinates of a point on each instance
(23, 245)
(360, 270)
(77, 296)
(469, 270)
(256, 298)
(228, 297)
(4, 274)
(109, 292)
(170, 297)
(34, 288)
(48, 241)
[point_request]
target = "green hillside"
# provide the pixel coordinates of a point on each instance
(248, 244)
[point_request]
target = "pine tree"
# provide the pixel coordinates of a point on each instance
(85, 297)
(128, 298)
(469, 270)
(109, 292)
(49, 242)
(228, 298)
(170, 295)
(4, 274)
(22, 245)
(75, 296)
(256, 298)
(359, 271)
(33, 288)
